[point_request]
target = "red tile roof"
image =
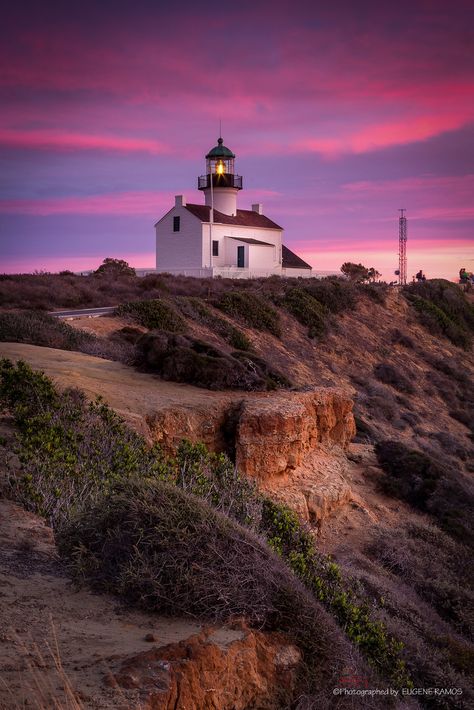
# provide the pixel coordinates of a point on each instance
(290, 260)
(243, 218)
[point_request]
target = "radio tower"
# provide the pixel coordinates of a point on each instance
(402, 247)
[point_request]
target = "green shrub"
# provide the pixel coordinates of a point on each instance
(155, 314)
(324, 578)
(70, 450)
(443, 308)
(307, 310)
(183, 359)
(429, 486)
(252, 309)
(38, 328)
(166, 551)
(196, 309)
(335, 294)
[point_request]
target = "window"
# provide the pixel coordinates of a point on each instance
(176, 224)
(215, 248)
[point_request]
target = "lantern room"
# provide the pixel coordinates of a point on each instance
(220, 169)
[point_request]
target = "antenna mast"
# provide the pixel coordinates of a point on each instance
(402, 247)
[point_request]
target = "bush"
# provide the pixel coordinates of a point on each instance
(434, 565)
(183, 359)
(307, 310)
(39, 328)
(195, 308)
(335, 294)
(115, 268)
(377, 292)
(443, 308)
(427, 485)
(71, 450)
(166, 551)
(391, 375)
(154, 314)
(252, 309)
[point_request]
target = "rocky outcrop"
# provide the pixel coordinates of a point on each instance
(275, 434)
(202, 673)
(318, 488)
(290, 442)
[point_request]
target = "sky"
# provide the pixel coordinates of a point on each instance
(339, 114)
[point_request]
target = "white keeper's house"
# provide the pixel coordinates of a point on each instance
(216, 238)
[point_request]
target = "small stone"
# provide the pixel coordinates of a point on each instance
(150, 638)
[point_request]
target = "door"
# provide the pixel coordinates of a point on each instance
(240, 257)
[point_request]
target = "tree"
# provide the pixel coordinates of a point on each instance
(355, 272)
(374, 274)
(115, 267)
(358, 273)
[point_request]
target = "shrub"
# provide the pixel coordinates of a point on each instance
(154, 314)
(71, 450)
(323, 577)
(391, 375)
(335, 294)
(398, 337)
(443, 308)
(39, 328)
(195, 308)
(184, 359)
(427, 485)
(433, 564)
(166, 551)
(115, 268)
(307, 310)
(252, 309)
(377, 292)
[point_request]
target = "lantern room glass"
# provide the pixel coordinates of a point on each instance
(220, 166)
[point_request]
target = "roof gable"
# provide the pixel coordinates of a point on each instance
(243, 218)
(290, 260)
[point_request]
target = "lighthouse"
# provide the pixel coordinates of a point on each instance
(220, 184)
(216, 238)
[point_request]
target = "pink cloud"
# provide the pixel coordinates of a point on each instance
(381, 135)
(62, 140)
(131, 203)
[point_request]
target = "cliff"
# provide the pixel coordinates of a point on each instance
(292, 443)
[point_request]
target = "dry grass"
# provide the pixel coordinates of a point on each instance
(42, 688)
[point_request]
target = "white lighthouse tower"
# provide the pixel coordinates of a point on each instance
(220, 184)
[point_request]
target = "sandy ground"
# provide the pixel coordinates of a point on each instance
(43, 617)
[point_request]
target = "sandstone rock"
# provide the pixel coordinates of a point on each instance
(317, 488)
(256, 670)
(275, 434)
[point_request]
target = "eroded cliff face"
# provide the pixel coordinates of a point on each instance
(274, 435)
(292, 443)
(204, 673)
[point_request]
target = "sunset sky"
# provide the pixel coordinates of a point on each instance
(339, 113)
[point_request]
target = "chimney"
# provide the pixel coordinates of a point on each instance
(179, 201)
(258, 208)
